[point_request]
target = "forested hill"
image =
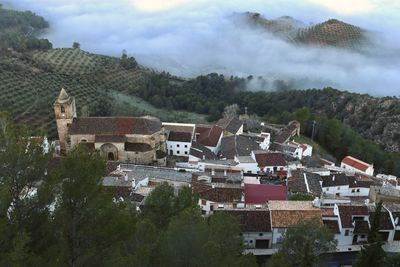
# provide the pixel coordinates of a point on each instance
(31, 78)
(18, 29)
(333, 32)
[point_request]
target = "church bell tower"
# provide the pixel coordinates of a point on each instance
(65, 112)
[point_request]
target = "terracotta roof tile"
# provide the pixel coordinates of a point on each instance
(287, 213)
(347, 212)
(208, 136)
(270, 159)
(114, 126)
(180, 137)
(356, 163)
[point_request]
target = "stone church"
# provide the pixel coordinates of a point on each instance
(138, 140)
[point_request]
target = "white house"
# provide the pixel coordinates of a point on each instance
(357, 165)
(179, 138)
(247, 164)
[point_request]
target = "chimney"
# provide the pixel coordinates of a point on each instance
(225, 173)
(204, 157)
(333, 178)
(126, 177)
(212, 172)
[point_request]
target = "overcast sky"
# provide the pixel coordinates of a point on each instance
(192, 37)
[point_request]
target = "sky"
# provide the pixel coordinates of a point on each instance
(193, 37)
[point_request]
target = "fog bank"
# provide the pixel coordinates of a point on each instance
(189, 38)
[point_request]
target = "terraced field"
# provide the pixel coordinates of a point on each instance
(28, 90)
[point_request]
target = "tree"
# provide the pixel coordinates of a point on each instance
(76, 45)
(22, 215)
(91, 227)
(159, 205)
(373, 254)
(301, 196)
(303, 245)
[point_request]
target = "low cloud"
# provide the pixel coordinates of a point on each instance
(189, 38)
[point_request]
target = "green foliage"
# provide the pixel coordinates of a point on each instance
(303, 245)
(372, 254)
(301, 196)
(17, 30)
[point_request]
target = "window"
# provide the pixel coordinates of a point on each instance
(346, 233)
(186, 152)
(358, 190)
(260, 234)
(62, 109)
(362, 236)
(178, 152)
(338, 188)
(353, 190)
(170, 146)
(327, 189)
(185, 146)
(177, 145)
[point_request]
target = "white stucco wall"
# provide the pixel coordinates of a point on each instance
(182, 147)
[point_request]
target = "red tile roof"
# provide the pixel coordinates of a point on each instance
(356, 163)
(209, 136)
(347, 212)
(114, 126)
(261, 193)
(270, 159)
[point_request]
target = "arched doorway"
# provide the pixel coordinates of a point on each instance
(110, 156)
(109, 151)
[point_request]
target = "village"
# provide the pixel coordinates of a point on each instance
(262, 178)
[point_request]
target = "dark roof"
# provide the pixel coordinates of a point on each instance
(199, 151)
(347, 211)
(332, 225)
(180, 137)
(262, 193)
(385, 222)
(114, 126)
(110, 139)
(361, 227)
(314, 185)
(270, 159)
(296, 183)
(112, 166)
(238, 145)
(336, 179)
(365, 183)
(137, 147)
(287, 132)
(230, 124)
(208, 136)
(251, 220)
(218, 194)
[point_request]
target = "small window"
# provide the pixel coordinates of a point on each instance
(260, 234)
(346, 233)
(186, 152)
(327, 189)
(177, 152)
(170, 146)
(177, 145)
(338, 188)
(358, 190)
(362, 236)
(353, 190)
(185, 146)
(62, 109)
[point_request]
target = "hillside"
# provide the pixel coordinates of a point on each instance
(31, 82)
(333, 32)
